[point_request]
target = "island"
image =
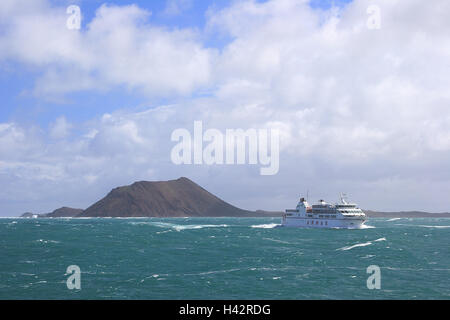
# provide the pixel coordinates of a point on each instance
(179, 198)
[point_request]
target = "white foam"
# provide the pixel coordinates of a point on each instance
(394, 219)
(355, 246)
(276, 240)
(366, 227)
(180, 227)
(265, 226)
(198, 226)
(47, 241)
(368, 243)
(423, 226)
(355, 228)
(438, 227)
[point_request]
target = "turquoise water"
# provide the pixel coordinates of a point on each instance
(222, 258)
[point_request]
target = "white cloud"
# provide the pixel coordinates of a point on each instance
(119, 47)
(60, 129)
(365, 111)
(176, 7)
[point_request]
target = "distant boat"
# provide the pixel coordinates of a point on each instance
(324, 215)
(35, 216)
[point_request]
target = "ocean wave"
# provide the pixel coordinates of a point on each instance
(276, 240)
(354, 228)
(265, 226)
(153, 276)
(180, 227)
(165, 231)
(364, 244)
(212, 272)
(439, 227)
(423, 226)
(198, 226)
(366, 227)
(394, 219)
(46, 241)
(355, 246)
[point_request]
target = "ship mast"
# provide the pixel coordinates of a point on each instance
(343, 197)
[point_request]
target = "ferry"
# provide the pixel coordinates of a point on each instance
(324, 215)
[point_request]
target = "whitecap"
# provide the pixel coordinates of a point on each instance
(160, 232)
(366, 227)
(423, 226)
(355, 246)
(180, 227)
(154, 276)
(276, 240)
(354, 228)
(213, 272)
(364, 244)
(438, 227)
(394, 219)
(198, 226)
(265, 226)
(47, 241)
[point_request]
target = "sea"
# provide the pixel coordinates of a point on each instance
(222, 258)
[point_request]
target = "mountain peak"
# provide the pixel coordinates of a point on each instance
(173, 198)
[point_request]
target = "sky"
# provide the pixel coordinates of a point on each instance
(361, 108)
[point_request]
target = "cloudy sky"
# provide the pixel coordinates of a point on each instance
(360, 110)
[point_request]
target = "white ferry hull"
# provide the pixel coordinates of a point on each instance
(300, 222)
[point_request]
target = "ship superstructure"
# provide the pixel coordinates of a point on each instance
(324, 215)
